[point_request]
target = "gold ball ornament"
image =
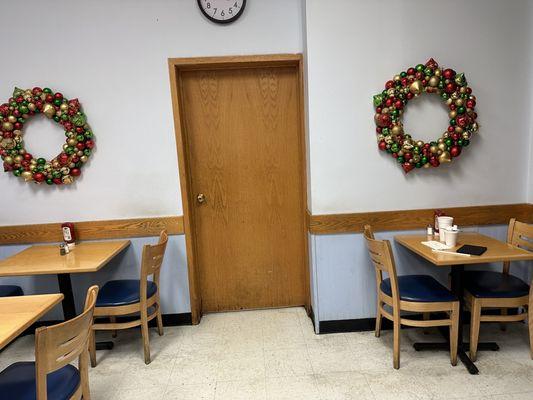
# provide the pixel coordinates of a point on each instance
(72, 142)
(459, 102)
(433, 81)
(67, 179)
(475, 127)
(27, 176)
(32, 107)
(7, 126)
(12, 119)
(65, 170)
(84, 159)
(452, 114)
(9, 160)
(433, 149)
(445, 157)
(420, 143)
(63, 107)
(442, 146)
(396, 130)
(416, 87)
(438, 72)
(18, 159)
(49, 110)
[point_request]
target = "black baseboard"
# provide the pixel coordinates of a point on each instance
(369, 324)
(351, 325)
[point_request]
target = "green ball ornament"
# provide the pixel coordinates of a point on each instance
(461, 110)
(41, 161)
(49, 181)
(400, 159)
(47, 90)
(420, 67)
(448, 142)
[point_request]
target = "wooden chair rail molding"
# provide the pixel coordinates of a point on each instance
(418, 219)
(92, 230)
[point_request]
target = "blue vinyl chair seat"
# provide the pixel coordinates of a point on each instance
(419, 288)
(17, 382)
(493, 284)
(123, 292)
(10, 290)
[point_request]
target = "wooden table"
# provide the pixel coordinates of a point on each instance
(496, 252)
(17, 313)
(40, 260)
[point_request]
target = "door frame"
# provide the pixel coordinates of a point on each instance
(176, 67)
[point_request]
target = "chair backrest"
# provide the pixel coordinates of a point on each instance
(519, 234)
(381, 255)
(59, 345)
(152, 259)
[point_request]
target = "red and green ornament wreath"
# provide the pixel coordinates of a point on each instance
(389, 104)
(64, 168)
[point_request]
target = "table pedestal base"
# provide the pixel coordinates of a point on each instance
(461, 353)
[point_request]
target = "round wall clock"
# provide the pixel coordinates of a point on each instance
(222, 11)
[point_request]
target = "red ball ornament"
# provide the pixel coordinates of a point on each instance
(57, 181)
(388, 102)
(382, 145)
(455, 151)
(383, 120)
(75, 172)
(58, 96)
(39, 177)
(470, 103)
(450, 87)
(27, 156)
(89, 144)
(49, 98)
(398, 104)
(448, 73)
(407, 167)
(37, 91)
(389, 84)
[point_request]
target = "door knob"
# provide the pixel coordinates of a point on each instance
(201, 198)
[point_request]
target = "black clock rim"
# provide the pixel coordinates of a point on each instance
(222, 21)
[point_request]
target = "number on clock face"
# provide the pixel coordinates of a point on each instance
(222, 11)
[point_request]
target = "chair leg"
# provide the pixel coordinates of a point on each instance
(503, 326)
(92, 347)
(475, 321)
(159, 320)
(454, 333)
(396, 346)
(84, 374)
(378, 320)
(113, 320)
(145, 335)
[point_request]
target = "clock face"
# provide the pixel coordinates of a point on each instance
(222, 11)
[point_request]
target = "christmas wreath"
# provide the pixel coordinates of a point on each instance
(64, 168)
(389, 104)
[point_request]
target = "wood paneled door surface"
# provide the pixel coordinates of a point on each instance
(243, 146)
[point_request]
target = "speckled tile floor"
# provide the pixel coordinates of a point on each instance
(274, 354)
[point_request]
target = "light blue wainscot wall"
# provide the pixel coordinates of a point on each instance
(343, 278)
(174, 277)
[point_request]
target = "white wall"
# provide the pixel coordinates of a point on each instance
(113, 56)
(354, 47)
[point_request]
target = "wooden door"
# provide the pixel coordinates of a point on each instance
(243, 145)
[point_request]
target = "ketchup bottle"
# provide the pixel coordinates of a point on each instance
(68, 232)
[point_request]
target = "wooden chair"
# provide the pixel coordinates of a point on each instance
(51, 376)
(414, 293)
(133, 296)
(500, 290)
